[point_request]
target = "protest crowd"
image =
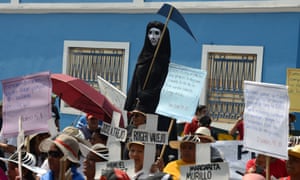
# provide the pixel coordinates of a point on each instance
(94, 149)
(74, 153)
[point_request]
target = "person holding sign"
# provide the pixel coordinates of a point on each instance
(204, 135)
(92, 157)
(293, 164)
(136, 153)
(187, 147)
(138, 121)
(258, 165)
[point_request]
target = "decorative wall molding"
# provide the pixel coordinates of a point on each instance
(140, 7)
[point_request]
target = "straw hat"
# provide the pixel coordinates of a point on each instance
(134, 142)
(295, 151)
(187, 138)
(77, 134)
(138, 108)
(67, 144)
(204, 132)
(99, 149)
(28, 161)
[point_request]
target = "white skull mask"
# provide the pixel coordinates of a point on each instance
(154, 35)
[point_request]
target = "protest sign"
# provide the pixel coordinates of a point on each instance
(125, 165)
(28, 98)
(181, 91)
(150, 136)
(266, 118)
(112, 141)
(108, 130)
(293, 83)
(214, 171)
(150, 148)
(114, 95)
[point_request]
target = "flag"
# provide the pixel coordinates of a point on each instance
(176, 17)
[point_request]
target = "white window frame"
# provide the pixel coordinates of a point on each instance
(206, 49)
(94, 44)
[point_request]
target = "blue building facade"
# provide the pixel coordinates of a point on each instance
(33, 32)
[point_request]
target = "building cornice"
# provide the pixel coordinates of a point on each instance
(140, 7)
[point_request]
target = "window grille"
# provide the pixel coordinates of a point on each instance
(88, 59)
(88, 63)
(226, 72)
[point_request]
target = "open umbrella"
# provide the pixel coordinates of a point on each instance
(80, 95)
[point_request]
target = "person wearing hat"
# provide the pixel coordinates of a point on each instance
(32, 143)
(91, 126)
(97, 153)
(28, 161)
(204, 134)
(136, 153)
(187, 147)
(63, 157)
(293, 164)
(138, 121)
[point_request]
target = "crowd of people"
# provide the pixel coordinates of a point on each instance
(75, 151)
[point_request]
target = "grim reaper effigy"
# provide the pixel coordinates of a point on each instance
(149, 76)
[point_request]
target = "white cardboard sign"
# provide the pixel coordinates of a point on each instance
(213, 171)
(266, 118)
(150, 136)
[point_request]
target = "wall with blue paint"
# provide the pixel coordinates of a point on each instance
(32, 43)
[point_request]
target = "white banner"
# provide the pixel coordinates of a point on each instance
(266, 118)
(114, 95)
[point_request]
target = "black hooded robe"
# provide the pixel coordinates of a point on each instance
(149, 96)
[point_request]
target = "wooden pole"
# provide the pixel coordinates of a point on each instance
(267, 167)
(20, 140)
(164, 146)
(62, 168)
(157, 47)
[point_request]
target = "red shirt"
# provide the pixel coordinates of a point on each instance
(190, 128)
(277, 167)
(240, 129)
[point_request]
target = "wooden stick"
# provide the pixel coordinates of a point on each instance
(267, 167)
(164, 146)
(157, 47)
(62, 168)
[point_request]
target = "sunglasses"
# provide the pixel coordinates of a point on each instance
(55, 154)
